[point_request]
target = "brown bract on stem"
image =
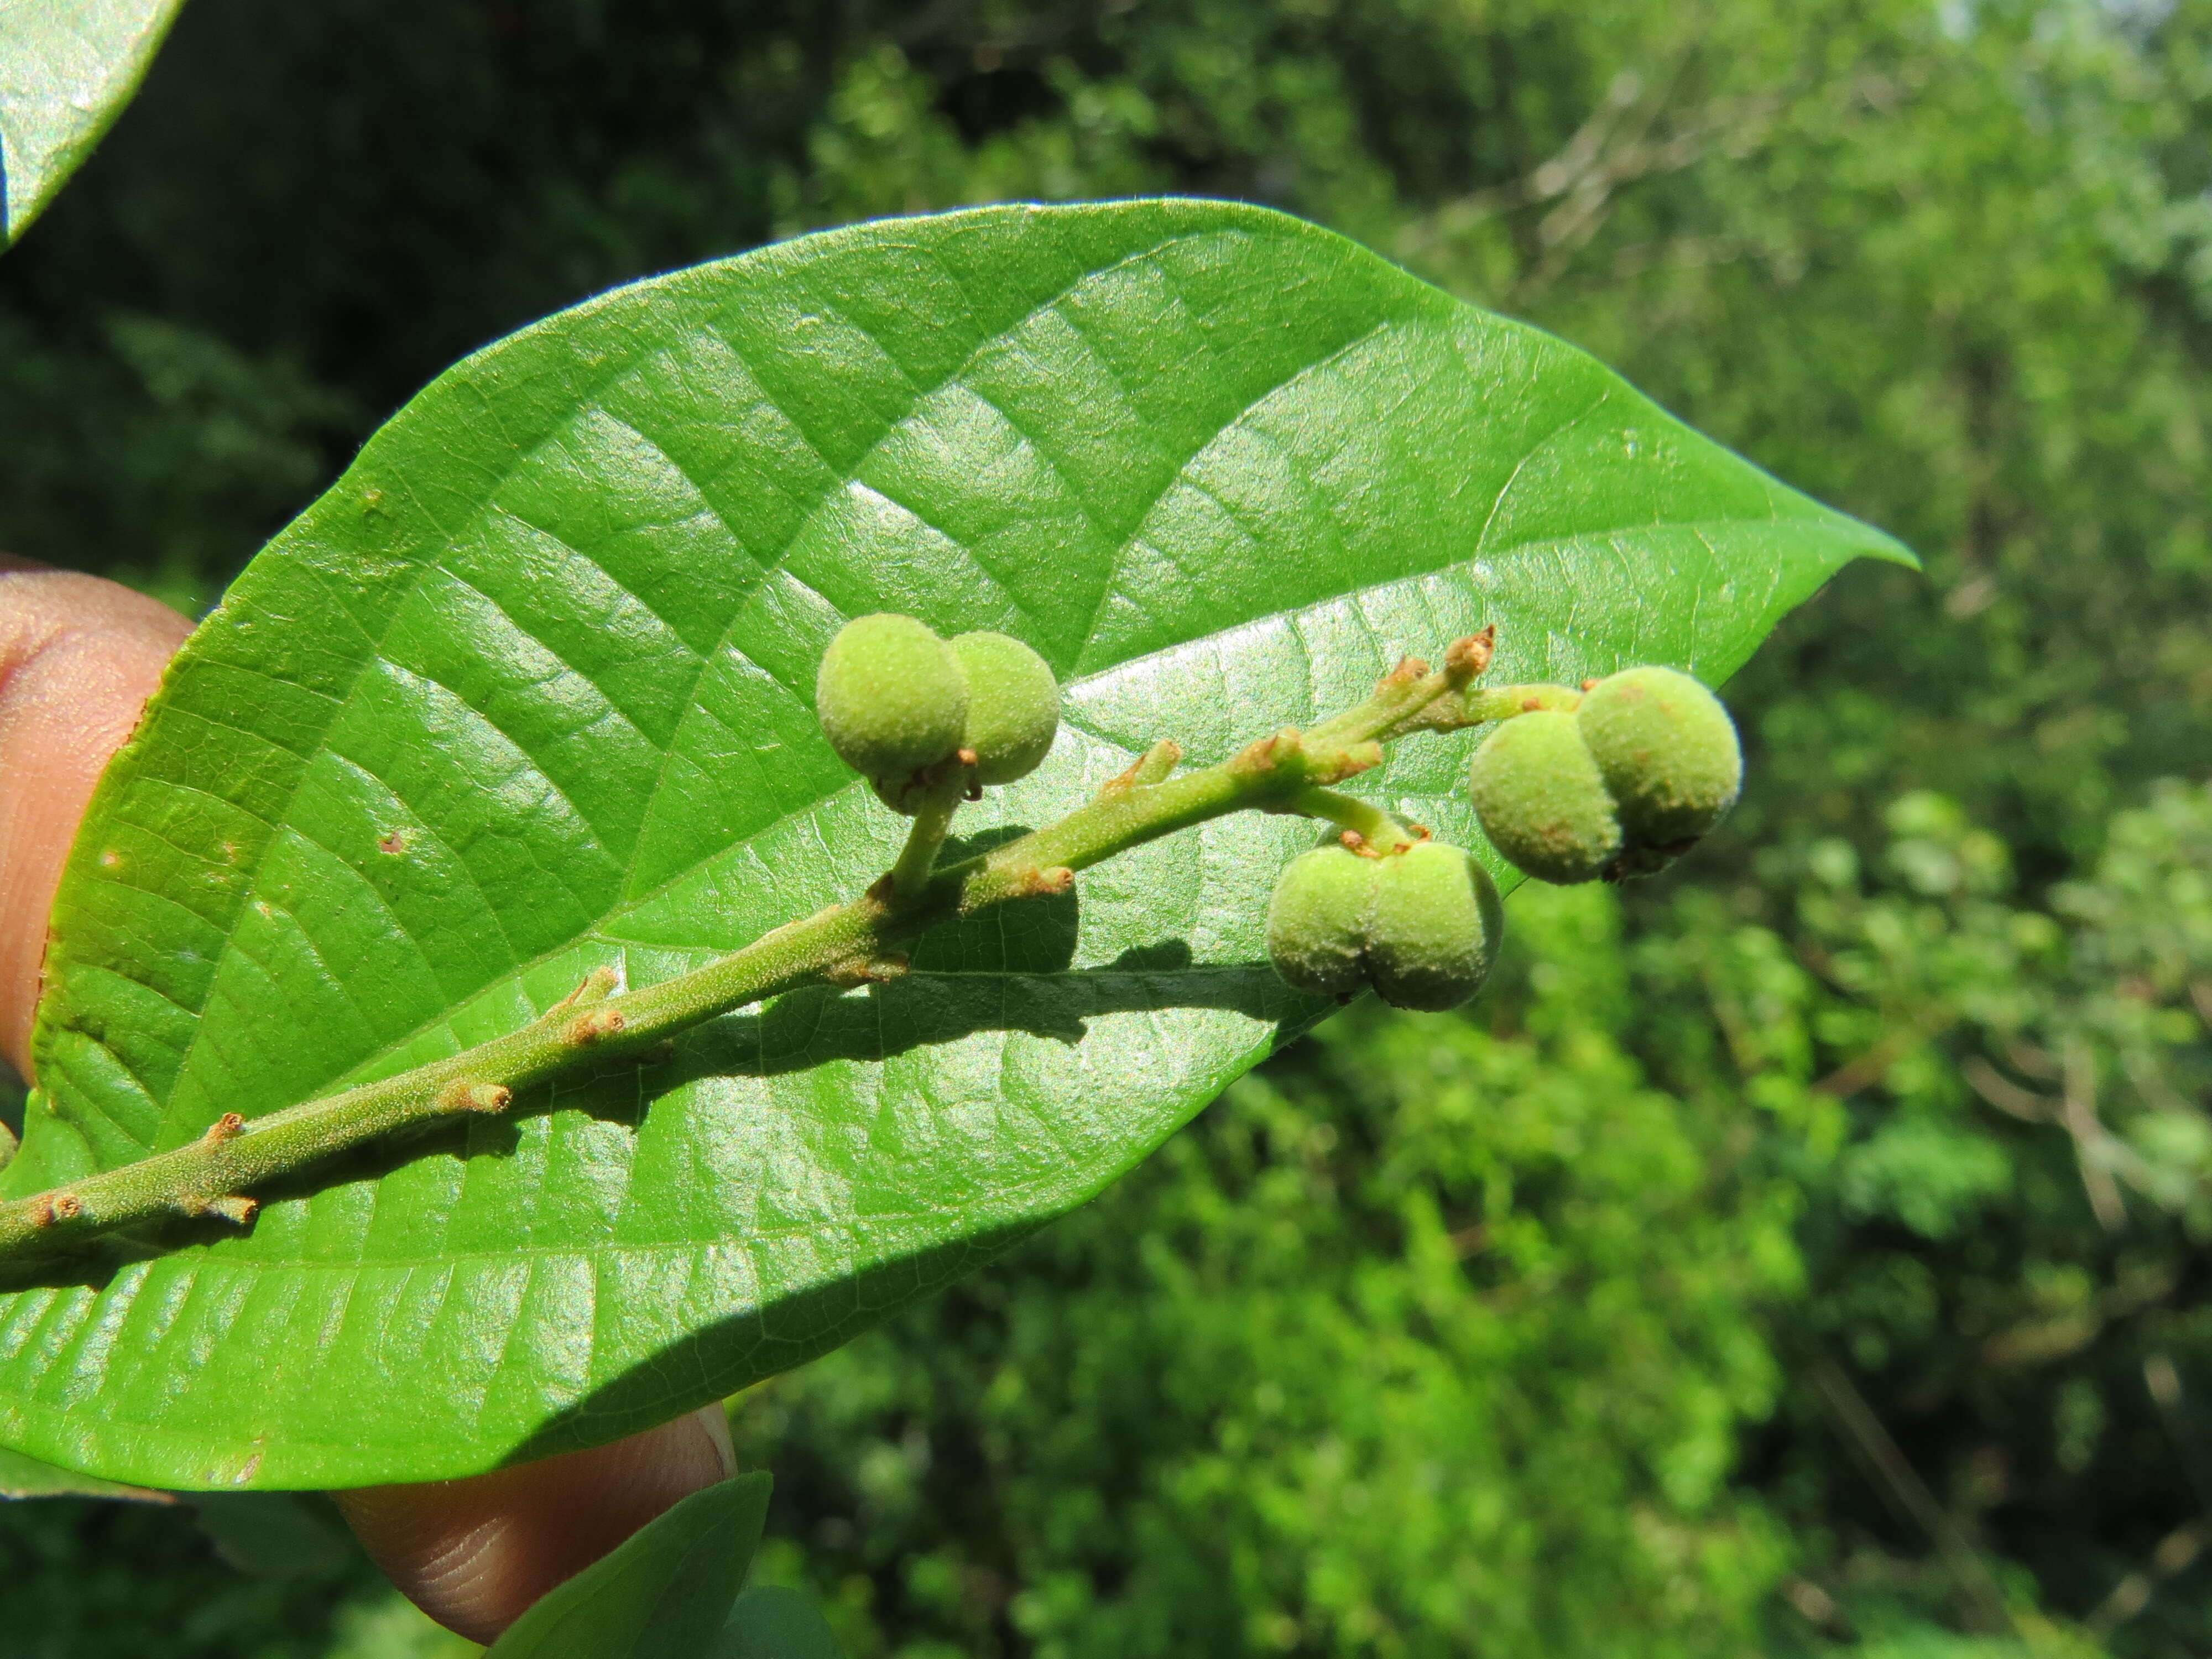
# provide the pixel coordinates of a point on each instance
(1292, 770)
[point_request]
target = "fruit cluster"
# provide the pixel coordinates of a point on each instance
(904, 708)
(1420, 925)
(1621, 782)
(1613, 780)
(1616, 781)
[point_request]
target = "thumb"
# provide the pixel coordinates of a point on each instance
(475, 1553)
(78, 659)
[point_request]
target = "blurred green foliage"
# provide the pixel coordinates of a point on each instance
(1508, 1333)
(1798, 1254)
(1378, 1358)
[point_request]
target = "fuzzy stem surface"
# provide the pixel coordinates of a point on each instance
(846, 944)
(1374, 827)
(917, 860)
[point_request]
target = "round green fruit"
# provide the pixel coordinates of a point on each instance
(891, 699)
(1317, 921)
(1014, 705)
(1543, 800)
(1433, 927)
(1668, 752)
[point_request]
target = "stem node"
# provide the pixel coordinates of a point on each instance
(596, 987)
(593, 1027)
(1153, 766)
(1264, 755)
(866, 970)
(1408, 670)
(462, 1096)
(51, 1207)
(1467, 659)
(1348, 761)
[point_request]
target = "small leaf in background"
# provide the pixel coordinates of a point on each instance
(665, 1593)
(272, 1534)
(528, 693)
(27, 1477)
(67, 69)
(774, 1621)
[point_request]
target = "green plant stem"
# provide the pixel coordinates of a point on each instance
(1374, 826)
(1503, 703)
(917, 860)
(850, 943)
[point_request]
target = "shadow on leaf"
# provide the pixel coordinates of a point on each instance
(1003, 971)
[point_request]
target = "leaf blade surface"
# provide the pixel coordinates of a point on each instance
(67, 70)
(526, 693)
(664, 1593)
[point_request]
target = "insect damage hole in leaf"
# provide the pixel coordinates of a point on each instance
(1220, 468)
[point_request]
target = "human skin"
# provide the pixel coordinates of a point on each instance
(78, 658)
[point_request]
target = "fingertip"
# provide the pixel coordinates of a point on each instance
(475, 1553)
(78, 658)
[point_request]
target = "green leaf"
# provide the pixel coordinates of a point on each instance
(67, 68)
(664, 1593)
(773, 1621)
(527, 692)
(273, 1535)
(27, 1477)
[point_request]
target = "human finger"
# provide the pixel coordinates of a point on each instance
(475, 1553)
(78, 658)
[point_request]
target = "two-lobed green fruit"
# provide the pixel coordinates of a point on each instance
(890, 696)
(1317, 921)
(897, 702)
(1543, 799)
(1420, 926)
(1669, 751)
(1644, 766)
(1014, 705)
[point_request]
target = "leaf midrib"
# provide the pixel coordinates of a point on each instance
(601, 932)
(591, 395)
(613, 369)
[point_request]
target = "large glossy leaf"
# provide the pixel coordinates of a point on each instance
(67, 68)
(664, 1593)
(528, 692)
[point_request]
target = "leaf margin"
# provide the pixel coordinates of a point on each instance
(346, 495)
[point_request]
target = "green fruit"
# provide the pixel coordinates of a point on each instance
(1543, 800)
(891, 699)
(1317, 921)
(1668, 752)
(1420, 927)
(1014, 705)
(1433, 929)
